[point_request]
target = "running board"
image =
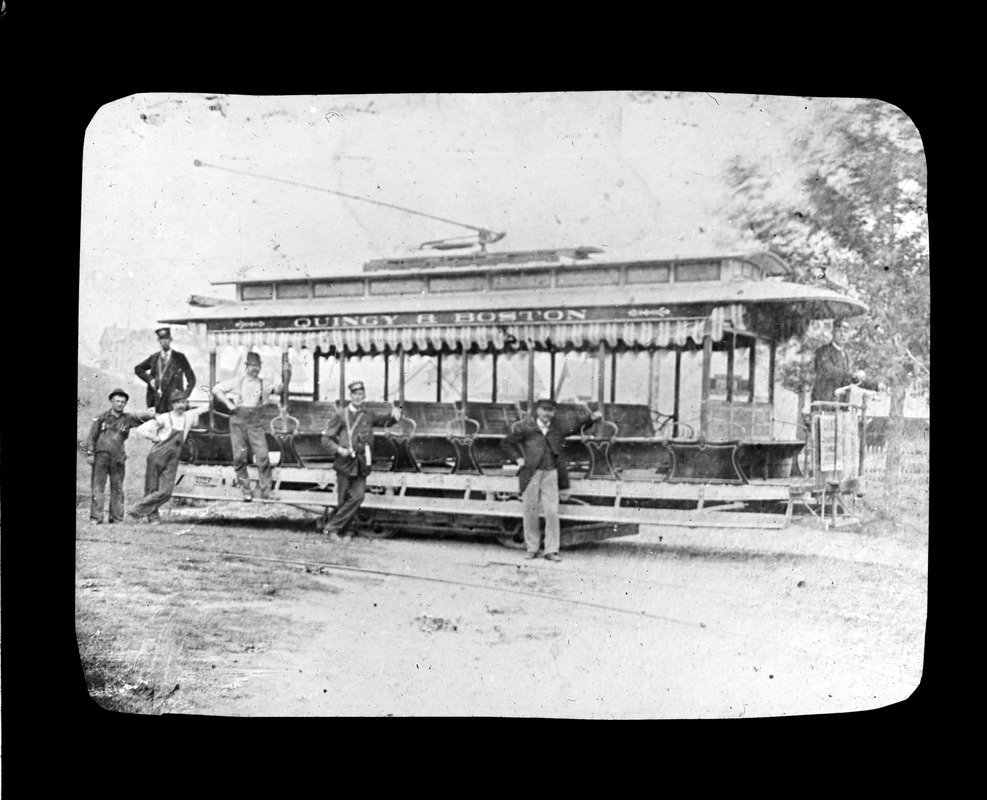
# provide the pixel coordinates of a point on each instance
(694, 518)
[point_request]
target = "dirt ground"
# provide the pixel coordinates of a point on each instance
(243, 610)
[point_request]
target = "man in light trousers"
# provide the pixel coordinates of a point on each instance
(537, 444)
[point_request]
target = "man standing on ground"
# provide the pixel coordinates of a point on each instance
(537, 445)
(349, 438)
(163, 372)
(106, 452)
(168, 432)
(245, 395)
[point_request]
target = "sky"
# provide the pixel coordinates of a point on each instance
(634, 173)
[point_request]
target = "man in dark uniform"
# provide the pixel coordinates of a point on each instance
(537, 445)
(168, 432)
(164, 372)
(832, 369)
(106, 452)
(349, 437)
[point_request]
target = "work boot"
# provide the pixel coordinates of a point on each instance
(335, 538)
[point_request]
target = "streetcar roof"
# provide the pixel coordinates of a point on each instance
(509, 261)
(810, 302)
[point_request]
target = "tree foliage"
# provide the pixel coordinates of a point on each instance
(858, 223)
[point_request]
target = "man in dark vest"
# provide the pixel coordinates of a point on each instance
(537, 445)
(349, 438)
(165, 372)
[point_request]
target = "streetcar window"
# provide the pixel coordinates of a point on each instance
(762, 388)
(512, 376)
(632, 371)
(421, 376)
(458, 283)
(257, 291)
(302, 361)
(292, 290)
(480, 379)
(398, 286)
(338, 288)
(700, 271)
(576, 377)
(543, 374)
(522, 280)
(652, 273)
(587, 277)
(369, 370)
(452, 378)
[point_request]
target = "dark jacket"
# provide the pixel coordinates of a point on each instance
(354, 432)
(178, 376)
(540, 451)
(110, 431)
(832, 368)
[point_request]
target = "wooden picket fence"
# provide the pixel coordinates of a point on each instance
(914, 462)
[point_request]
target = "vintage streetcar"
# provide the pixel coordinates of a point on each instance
(679, 354)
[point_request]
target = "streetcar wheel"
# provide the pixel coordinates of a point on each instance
(512, 539)
(377, 531)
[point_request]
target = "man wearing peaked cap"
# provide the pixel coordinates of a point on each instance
(246, 394)
(349, 438)
(165, 372)
(106, 452)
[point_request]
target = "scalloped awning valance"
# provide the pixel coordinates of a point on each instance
(366, 339)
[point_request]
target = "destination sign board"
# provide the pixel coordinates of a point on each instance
(522, 316)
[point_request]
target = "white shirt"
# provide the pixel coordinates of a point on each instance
(250, 392)
(164, 425)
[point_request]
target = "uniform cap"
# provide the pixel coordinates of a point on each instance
(357, 386)
(545, 402)
(163, 332)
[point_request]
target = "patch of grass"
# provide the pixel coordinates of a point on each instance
(155, 611)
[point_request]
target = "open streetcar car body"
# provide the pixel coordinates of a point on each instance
(678, 354)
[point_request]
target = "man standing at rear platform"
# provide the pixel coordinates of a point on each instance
(832, 369)
(246, 395)
(349, 438)
(537, 445)
(164, 373)
(106, 451)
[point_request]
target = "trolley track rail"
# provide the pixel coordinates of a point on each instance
(327, 567)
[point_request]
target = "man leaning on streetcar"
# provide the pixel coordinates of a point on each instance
(537, 445)
(168, 432)
(245, 395)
